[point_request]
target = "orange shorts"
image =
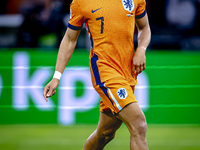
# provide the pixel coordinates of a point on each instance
(115, 95)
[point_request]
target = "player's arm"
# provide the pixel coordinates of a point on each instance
(66, 49)
(144, 36)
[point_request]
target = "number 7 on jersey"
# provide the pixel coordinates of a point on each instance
(102, 23)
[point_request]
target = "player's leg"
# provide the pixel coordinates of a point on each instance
(105, 132)
(135, 121)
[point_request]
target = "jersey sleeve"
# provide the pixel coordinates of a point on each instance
(141, 9)
(76, 17)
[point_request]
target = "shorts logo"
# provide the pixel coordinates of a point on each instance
(128, 5)
(122, 93)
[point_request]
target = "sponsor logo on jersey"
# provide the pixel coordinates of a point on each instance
(128, 5)
(122, 93)
(93, 11)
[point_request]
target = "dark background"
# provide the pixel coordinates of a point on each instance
(174, 24)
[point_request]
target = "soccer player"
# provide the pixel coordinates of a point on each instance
(113, 63)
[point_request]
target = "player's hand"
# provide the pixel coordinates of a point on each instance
(139, 61)
(49, 89)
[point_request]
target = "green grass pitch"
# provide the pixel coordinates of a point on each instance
(55, 137)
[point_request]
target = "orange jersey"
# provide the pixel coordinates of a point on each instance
(111, 25)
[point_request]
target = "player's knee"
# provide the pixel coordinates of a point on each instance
(106, 136)
(109, 135)
(140, 127)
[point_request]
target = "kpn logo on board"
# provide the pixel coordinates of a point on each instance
(1, 85)
(29, 86)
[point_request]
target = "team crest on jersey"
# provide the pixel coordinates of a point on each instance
(122, 93)
(128, 5)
